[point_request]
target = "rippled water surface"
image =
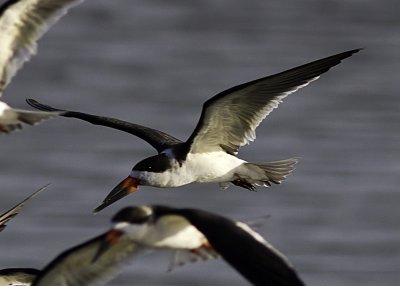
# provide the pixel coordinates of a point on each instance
(155, 63)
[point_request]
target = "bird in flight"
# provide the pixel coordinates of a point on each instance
(193, 230)
(22, 23)
(93, 262)
(228, 121)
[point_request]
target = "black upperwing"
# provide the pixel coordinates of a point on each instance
(158, 139)
(229, 119)
(259, 263)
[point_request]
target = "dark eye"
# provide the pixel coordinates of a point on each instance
(157, 164)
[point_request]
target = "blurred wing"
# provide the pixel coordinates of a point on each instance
(244, 249)
(22, 23)
(229, 119)
(5, 217)
(75, 267)
(13, 119)
(159, 140)
(34, 117)
(257, 237)
(18, 276)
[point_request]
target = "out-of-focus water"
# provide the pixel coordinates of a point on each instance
(155, 63)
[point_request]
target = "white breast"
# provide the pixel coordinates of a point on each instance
(170, 231)
(175, 232)
(212, 167)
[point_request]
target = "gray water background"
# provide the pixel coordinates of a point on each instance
(154, 63)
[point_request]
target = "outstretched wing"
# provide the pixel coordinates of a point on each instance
(229, 119)
(75, 266)
(244, 249)
(159, 140)
(22, 23)
(5, 217)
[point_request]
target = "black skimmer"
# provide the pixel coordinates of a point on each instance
(5, 217)
(182, 228)
(22, 23)
(18, 276)
(228, 121)
(96, 261)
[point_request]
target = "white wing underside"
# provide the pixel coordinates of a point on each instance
(234, 119)
(21, 25)
(229, 119)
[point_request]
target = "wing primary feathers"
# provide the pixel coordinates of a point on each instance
(5, 217)
(229, 119)
(159, 140)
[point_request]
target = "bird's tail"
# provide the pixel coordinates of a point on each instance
(277, 171)
(265, 174)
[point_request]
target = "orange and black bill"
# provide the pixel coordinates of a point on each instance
(109, 239)
(127, 186)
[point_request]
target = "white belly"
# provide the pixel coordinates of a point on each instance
(197, 168)
(212, 167)
(203, 168)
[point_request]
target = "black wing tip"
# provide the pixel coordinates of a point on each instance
(41, 189)
(356, 50)
(352, 52)
(43, 107)
(343, 55)
(14, 211)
